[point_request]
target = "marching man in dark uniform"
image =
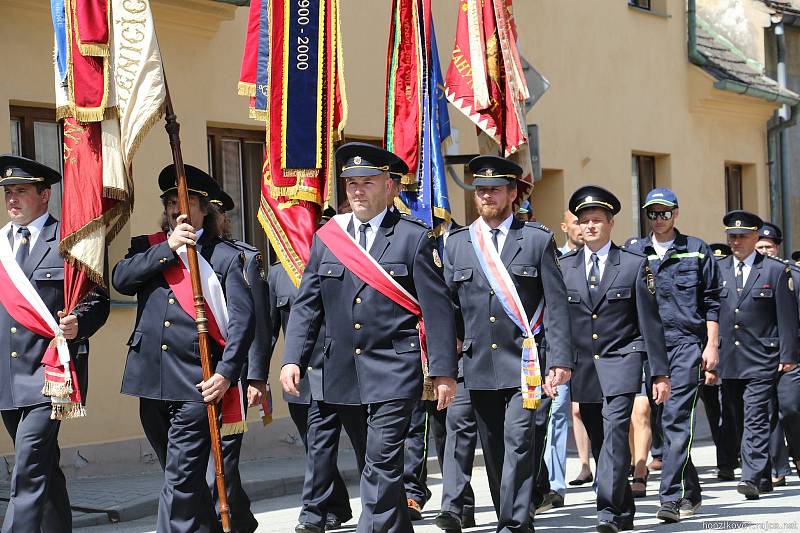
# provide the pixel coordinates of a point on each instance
(612, 294)
(758, 322)
(326, 504)
(509, 294)
(687, 291)
(255, 371)
(31, 260)
(372, 277)
(163, 366)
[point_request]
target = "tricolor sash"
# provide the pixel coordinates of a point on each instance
(178, 279)
(506, 292)
(356, 259)
(20, 299)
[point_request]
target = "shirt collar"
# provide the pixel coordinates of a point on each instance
(748, 261)
(35, 226)
(374, 222)
(601, 253)
(504, 226)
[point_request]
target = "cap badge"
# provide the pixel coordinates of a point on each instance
(357, 160)
(738, 223)
(657, 195)
(489, 172)
(9, 171)
(589, 199)
(766, 232)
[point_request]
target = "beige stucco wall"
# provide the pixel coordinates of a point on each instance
(621, 83)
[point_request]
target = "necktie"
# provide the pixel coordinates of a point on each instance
(594, 272)
(24, 245)
(495, 233)
(740, 276)
(362, 237)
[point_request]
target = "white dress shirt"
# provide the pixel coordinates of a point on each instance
(35, 227)
(748, 265)
(504, 227)
(602, 256)
(372, 230)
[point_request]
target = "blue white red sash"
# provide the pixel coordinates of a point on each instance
(506, 293)
(178, 279)
(356, 259)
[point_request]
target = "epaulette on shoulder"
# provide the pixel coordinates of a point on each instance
(246, 246)
(637, 253)
(458, 230)
(538, 225)
(412, 218)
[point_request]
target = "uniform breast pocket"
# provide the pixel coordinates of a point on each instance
(686, 282)
(396, 270)
(762, 294)
(406, 346)
(621, 294)
(462, 275)
(525, 271)
(282, 302)
(573, 297)
(135, 340)
(331, 271)
(46, 275)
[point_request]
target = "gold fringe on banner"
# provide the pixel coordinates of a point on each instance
(233, 428)
(246, 89)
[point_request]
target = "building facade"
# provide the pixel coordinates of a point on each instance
(626, 109)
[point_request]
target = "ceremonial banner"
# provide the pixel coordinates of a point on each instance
(484, 80)
(305, 111)
(255, 61)
(110, 91)
(416, 111)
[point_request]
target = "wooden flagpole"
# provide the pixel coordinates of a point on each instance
(173, 131)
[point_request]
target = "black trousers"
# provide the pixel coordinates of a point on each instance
(614, 496)
(542, 485)
(710, 396)
(242, 519)
(778, 452)
(459, 455)
(38, 501)
(179, 435)
(750, 401)
(592, 417)
(325, 423)
(732, 425)
(383, 498)
(789, 409)
(339, 503)
(415, 455)
(506, 431)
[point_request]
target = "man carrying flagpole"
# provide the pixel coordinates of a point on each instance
(163, 367)
(375, 279)
(37, 391)
(509, 296)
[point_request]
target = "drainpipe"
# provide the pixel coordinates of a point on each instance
(694, 55)
(783, 145)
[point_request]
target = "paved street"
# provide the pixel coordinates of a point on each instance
(722, 508)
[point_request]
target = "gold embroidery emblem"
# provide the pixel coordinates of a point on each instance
(738, 223)
(436, 259)
(357, 160)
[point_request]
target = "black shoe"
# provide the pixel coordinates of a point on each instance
(556, 499)
(726, 474)
(607, 526)
(748, 489)
(307, 528)
(688, 508)
(669, 512)
(468, 516)
(765, 486)
(448, 521)
(627, 525)
(779, 481)
(334, 522)
(581, 480)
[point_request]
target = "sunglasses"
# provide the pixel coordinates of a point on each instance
(663, 215)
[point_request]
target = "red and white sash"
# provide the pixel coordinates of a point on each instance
(356, 259)
(20, 299)
(179, 280)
